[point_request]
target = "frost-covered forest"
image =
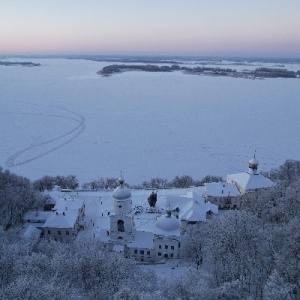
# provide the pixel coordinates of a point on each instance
(252, 253)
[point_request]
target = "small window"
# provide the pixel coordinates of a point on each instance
(179, 245)
(59, 232)
(159, 254)
(120, 206)
(172, 247)
(142, 252)
(148, 252)
(171, 255)
(166, 246)
(159, 246)
(135, 251)
(67, 232)
(49, 232)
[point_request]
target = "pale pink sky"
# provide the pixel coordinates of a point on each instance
(265, 27)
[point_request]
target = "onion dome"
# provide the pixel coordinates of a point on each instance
(167, 222)
(253, 163)
(121, 192)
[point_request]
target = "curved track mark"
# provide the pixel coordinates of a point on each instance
(70, 135)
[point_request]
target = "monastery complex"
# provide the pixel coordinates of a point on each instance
(149, 228)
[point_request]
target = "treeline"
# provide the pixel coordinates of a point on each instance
(112, 69)
(15, 63)
(262, 72)
(274, 73)
(183, 181)
(288, 172)
(49, 182)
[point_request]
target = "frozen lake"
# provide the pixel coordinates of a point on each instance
(62, 118)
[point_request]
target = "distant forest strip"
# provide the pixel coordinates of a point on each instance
(210, 71)
(18, 63)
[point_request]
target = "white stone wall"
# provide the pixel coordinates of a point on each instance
(141, 254)
(59, 234)
(222, 202)
(122, 206)
(115, 233)
(166, 247)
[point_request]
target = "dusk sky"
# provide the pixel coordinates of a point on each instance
(175, 27)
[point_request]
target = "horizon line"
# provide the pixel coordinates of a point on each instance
(154, 55)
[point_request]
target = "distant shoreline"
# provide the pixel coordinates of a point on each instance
(258, 73)
(23, 64)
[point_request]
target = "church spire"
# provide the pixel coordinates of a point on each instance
(121, 179)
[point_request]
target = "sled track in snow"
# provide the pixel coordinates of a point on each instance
(65, 138)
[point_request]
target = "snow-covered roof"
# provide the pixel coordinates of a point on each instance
(180, 203)
(248, 181)
(221, 189)
(36, 216)
(65, 219)
(191, 209)
(121, 193)
(142, 239)
(50, 200)
(198, 212)
(167, 222)
(68, 203)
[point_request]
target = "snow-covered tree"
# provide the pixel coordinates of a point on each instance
(236, 253)
(17, 196)
(277, 289)
(288, 256)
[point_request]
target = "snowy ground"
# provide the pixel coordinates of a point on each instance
(62, 118)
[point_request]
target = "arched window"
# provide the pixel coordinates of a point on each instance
(121, 226)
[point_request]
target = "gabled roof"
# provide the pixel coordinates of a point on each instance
(68, 202)
(221, 189)
(192, 208)
(248, 181)
(36, 216)
(66, 219)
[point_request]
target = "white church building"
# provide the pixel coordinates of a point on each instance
(251, 181)
(227, 194)
(152, 234)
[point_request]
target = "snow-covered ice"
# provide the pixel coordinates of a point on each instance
(62, 118)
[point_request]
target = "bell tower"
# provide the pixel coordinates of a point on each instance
(121, 219)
